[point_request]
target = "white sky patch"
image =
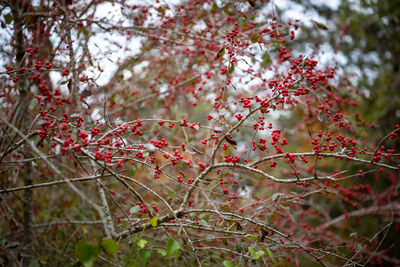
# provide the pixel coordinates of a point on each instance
(333, 4)
(102, 43)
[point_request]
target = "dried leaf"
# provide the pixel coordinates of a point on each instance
(254, 38)
(320, 25)
(221, 52)
(252, 2)
(230, 141)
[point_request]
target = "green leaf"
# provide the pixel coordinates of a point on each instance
(8, 18)
(254, 38)
(86, 252)
(221, 52)
(131, 263)
(255, 254)
(110, 246)
(227, 263)
(266, 60)
(144, 256)
(127, 261)
(162, 252)
(161, 10)
(280, 42)
(249, 235)
(141, 243)
(231, 68)
(153, 221)
(320, 25)
(227, 152)
(269, 254)
(172, 248)
(134, 209)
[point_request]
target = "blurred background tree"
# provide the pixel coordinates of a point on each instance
(368, 52)
(368, 57)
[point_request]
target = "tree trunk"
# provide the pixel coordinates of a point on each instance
(22, 120)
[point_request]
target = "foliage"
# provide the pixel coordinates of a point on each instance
(367, 52)
(209, 140)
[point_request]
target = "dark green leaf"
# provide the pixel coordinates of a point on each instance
(127, 261)
(86, 252)
(172, 248)
(144, 256)
(8, 18)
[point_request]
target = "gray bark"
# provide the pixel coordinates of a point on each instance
(22, 121)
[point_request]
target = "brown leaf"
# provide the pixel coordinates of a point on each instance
(221, 52)
(320, 25)
(252, 2)
(230, 141)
